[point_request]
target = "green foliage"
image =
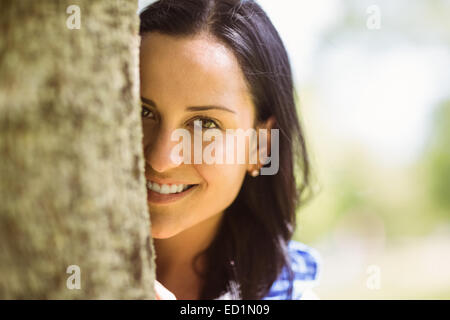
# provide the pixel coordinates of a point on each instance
(438, 159)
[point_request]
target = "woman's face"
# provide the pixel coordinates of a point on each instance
(178, 76)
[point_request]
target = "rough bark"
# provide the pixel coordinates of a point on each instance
(72, 188)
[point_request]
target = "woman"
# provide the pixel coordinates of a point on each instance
(222, 231)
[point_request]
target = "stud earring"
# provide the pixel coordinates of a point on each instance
(254, 173)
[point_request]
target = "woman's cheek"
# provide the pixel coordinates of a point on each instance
(229, 176)
(223, 182)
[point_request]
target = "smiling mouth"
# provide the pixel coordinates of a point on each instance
(165, 189)
(166, 194)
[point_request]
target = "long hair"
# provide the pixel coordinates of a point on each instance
(250, 249)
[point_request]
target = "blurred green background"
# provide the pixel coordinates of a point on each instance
(373, 81)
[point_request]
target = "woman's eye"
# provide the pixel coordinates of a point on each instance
(146, 113)
(207, 123)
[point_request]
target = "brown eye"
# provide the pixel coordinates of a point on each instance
(208, 123)
(146, 112)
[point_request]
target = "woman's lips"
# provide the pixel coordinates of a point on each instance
(158, 198)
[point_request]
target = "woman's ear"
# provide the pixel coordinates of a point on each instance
(262, 148)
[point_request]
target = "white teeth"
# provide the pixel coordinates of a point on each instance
(156, 187)
(165, 188)
(173, 188)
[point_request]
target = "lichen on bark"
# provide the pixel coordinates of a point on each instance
(72, 188)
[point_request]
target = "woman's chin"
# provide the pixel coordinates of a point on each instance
(159, 237)
(163, 233)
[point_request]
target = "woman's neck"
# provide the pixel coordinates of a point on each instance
(175, 256)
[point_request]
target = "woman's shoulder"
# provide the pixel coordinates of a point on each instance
(305, 263)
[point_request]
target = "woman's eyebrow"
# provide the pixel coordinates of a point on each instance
(191, 108)
(201, 108)
(148, 101)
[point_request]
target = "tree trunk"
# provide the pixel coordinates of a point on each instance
(72, 186)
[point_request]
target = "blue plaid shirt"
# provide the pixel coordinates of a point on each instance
(305, 264)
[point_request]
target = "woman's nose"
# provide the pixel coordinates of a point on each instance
(158, 151)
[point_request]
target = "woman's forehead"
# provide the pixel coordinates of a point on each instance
(202, 48)
(197, 69)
